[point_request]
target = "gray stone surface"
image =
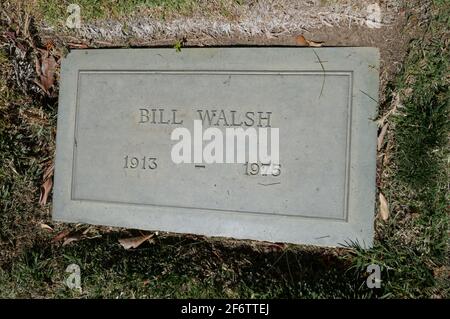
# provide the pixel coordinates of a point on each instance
(323, 101)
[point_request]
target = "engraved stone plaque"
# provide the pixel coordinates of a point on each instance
(120, 112)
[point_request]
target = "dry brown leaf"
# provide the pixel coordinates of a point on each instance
(10, 34)
(87, 230)
(277, 246)
(46, 185)
(274, 247)
(71, 239)
(78, 45)
(384, 208)
(315, 44)
(302, 41)
(46, 227)
(45, 191)
(37, 68)
(48, 172)
(49, 45)
(61, 235)
(48, 67)
(26, 25)
(134, 242)
(395, 104)
(381, 136)
(45, 68)
(146, 282)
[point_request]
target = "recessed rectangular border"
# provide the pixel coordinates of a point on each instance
(363, 62)
(349, 75)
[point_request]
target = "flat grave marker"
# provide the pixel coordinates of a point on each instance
(116, 139)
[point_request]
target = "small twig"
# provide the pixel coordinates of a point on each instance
(323, 69)
(369, 96)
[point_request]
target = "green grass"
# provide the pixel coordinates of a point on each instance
(178, 267)
(411, 247)
(54, 11)
(26, 144)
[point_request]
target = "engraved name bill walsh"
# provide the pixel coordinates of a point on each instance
(208, 117)
(250, 130)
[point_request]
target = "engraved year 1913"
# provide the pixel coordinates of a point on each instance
(145, 162)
